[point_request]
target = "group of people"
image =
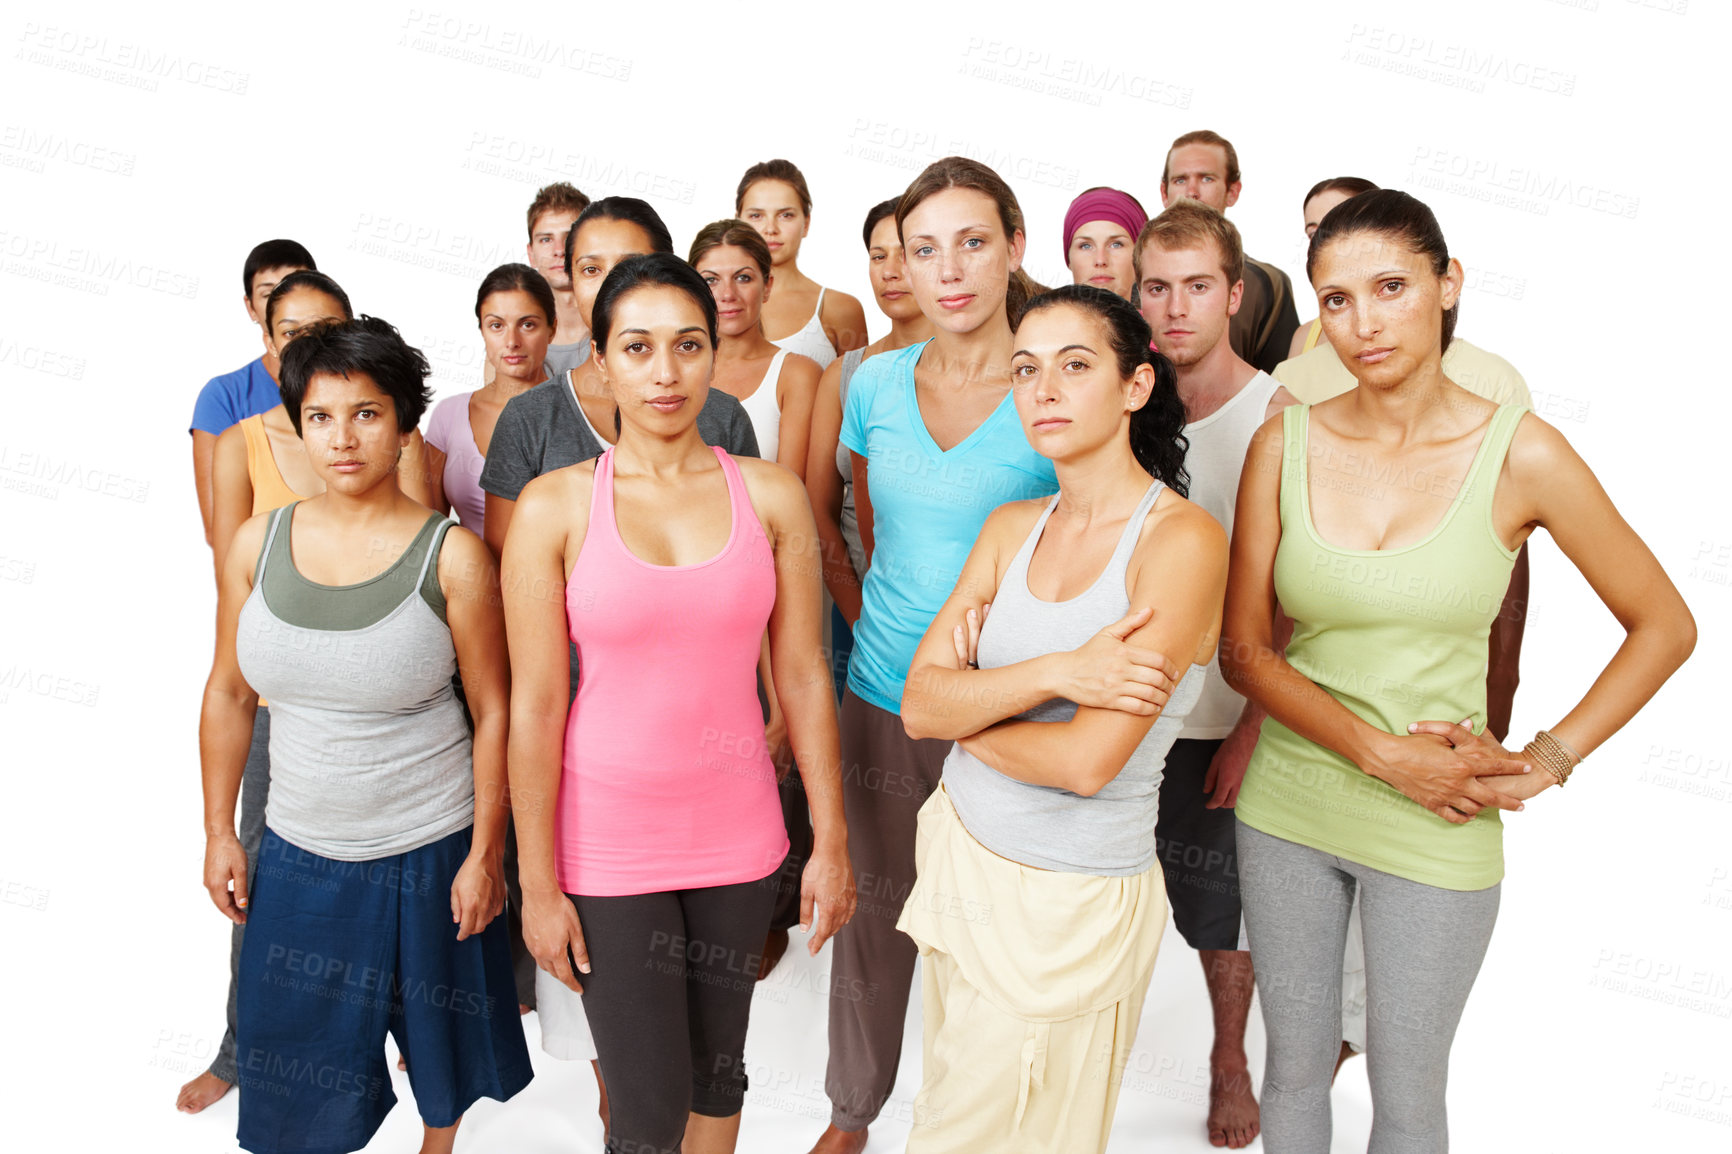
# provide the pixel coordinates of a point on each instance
(1048, 613)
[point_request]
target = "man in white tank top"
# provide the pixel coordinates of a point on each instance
(1190, 269)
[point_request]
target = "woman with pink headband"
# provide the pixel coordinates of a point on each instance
(1100, 234)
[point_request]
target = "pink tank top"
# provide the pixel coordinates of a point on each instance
(667, 784)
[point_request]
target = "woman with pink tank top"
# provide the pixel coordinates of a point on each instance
(649, 831)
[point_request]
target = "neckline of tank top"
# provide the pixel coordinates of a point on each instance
(1145, 503)
(288, 531)
(1461, 494)
(774, 367)
(734, 518)
(817, 318)
(570, 390)
(1231, 402)
(271, 452)
(911, 397)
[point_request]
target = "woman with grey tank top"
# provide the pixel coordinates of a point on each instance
(380, 876)
(1039, 903)
(831, 490)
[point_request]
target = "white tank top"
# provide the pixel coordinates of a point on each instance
(1215, 459)
(809, 342)
(763, 409)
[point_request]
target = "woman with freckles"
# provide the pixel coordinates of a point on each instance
(1374, 773)
(373, 908)
(936, 447)
(1040, 902)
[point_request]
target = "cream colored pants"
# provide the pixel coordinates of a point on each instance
(1032, 983)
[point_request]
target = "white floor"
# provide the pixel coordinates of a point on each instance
(1162, 1107)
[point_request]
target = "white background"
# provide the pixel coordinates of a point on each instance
(1571, 149)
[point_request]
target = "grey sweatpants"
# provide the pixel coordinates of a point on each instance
(1423, 949)
(886, 777)
(255, 789)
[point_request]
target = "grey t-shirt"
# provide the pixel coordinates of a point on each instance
(544, 429)
(561, 359)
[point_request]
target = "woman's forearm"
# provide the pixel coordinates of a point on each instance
(1262, 675)
(492, 780)
(808, 709)
(954, 703)
(225, 734)
(534, 750)
(1652, 651)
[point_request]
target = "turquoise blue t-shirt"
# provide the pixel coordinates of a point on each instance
(927, 508)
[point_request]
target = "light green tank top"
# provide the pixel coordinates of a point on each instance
(1397, 636)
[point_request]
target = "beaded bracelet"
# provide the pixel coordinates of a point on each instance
(1551, 755)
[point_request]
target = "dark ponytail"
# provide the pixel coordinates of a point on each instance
(1158, 428)
(1402, 218)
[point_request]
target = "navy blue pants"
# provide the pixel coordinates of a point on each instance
(337, 955)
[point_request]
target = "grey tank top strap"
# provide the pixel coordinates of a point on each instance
(1103, 590)
(294, 598)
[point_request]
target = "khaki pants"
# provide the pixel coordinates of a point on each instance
(1033, 983)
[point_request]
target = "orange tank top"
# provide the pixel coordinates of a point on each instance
(270, 491)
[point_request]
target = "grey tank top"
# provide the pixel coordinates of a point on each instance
(845, 466)
(1111, 834)
(370, 753)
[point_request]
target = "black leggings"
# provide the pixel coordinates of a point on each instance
(670, 989)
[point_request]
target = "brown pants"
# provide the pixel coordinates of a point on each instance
(886, 778)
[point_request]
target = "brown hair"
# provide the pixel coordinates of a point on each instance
(961, 172)
(559, 196)
(733, 231)
(1188, 223)
(1203, 136)
(782, 170)
(1351, 185)
(1391, 213)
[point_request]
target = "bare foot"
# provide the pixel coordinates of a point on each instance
(1233, 1120)
(834, 1141)
(1346, 1053)
(200, 1092)
(774, 947)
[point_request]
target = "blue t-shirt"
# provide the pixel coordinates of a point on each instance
(233, 397)
(927, 508)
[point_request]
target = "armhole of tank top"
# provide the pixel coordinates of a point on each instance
(247, 439)
(1295, 432)
(430, 591)
(1511, 418)
(270, 543)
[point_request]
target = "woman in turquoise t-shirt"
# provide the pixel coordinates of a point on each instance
(1385, 522)
(936, 446)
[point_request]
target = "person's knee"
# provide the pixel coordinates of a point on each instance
(720, 1090)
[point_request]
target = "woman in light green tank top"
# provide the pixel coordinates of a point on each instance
(1384, 523)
